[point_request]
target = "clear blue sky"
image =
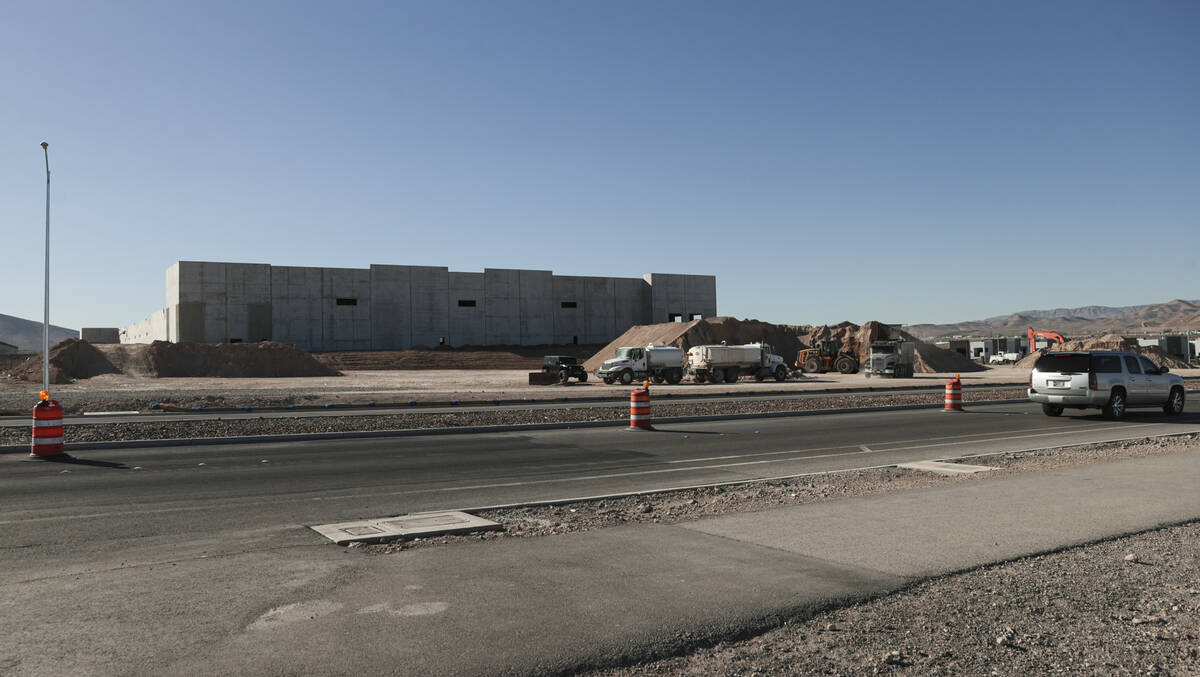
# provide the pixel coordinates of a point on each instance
(906, 162)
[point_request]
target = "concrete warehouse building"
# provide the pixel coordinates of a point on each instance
(397, 307)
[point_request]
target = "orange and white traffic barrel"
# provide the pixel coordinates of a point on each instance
(953, 395)
(47, 429)
(639, 409)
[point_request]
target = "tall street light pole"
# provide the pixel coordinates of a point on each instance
(46, 316)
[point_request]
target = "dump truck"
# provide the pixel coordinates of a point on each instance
(828, 356)
(657, 363)
(725, 364)
(892, 359)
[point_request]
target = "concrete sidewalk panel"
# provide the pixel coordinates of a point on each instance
(532, 605)
(934, 531)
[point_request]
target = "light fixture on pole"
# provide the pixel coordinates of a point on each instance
(46, 316)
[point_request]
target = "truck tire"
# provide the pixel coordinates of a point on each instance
(608, 380)
(583, 377)
(626, 377)
(780, 373)
(731, 374)
(657, 378)
(1052, 409)
(813, 365)
(845, 365)
(564, 376)
(716, 376)
(674, 376)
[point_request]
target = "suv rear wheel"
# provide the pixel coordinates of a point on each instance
(1052, 409)
(1116, 405)
(1174, 405)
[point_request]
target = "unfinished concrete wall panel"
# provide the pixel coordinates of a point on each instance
(631, 302)
(346, 308)
(248, 302)
(700, 295)
(391, 310)
(465, 303)
(430, 311)
(537, 307)
(502, 306)
(296, 306)
(599, 311)
(569, 308)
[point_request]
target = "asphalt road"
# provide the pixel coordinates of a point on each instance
(229, 498)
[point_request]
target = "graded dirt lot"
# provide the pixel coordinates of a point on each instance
(122, 392)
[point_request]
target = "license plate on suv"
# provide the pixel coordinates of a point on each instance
(1057, 384)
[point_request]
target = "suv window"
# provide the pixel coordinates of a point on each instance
(1106, 364)
(1147, 366)
(1131, 364)
(1063, 362)
(566, 360)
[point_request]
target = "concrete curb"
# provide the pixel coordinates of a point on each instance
(470, 430)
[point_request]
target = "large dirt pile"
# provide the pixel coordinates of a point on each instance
(786, 339)
(1109, 342)
(69, 360)
(783, 338)
(161, 359)
(929, 359)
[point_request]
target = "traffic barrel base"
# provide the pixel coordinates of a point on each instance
(47, 431)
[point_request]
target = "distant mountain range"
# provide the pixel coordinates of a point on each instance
(26, 335)
(1175, 316)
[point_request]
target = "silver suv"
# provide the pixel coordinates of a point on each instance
(1107, 380)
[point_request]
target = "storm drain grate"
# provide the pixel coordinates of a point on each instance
(404, 526)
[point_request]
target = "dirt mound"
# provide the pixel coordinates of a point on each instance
(69, 360)
(783, 338)
(222, 360)
(469, 357)
(1109, 342)
(786, 339)
(929, 359)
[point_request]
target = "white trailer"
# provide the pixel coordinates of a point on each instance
(717, 364)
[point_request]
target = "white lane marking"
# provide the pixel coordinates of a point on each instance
(865, 448)
(476, 487)
(110, 413)
(847, 446)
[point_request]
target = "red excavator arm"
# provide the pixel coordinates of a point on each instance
(1044, 334)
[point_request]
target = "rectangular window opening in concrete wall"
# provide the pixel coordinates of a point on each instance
(466, 303)
(696, 316)
(575, 340)
(235, 340)
(674, 317)
(347, 302)
(441, 340)
(569, 304)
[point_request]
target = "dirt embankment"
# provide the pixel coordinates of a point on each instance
(75, 359)
(786, 339)
(1109, 342)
